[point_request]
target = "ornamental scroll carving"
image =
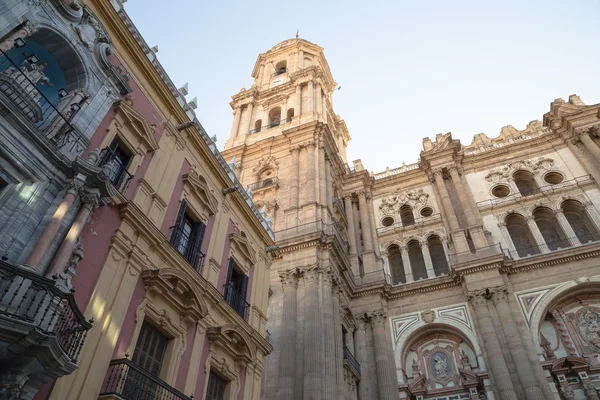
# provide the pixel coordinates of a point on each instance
(504, 173)
(415, 198)
(587, 321)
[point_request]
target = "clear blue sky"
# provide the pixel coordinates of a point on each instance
(407, 69)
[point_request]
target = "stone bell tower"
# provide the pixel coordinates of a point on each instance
(289, 148)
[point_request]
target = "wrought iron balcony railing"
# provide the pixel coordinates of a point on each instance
(236, 300)
(115, 169)
(265, 183)
(130, 382)
(20, 93)
(184, 244)
(524, 251)
(351, 361)
(281, 71)
(30, 298)
(271, 125)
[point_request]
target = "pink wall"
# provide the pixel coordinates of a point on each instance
(225, 260)
(126, 334)
(173, 206)
(184, 365)
(95, 239)
(199, 393)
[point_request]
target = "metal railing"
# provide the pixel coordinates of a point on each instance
(351, 361)
(318, 226)
(130, 382)
(184, 244)
(115, 169)
(533, 250)
(19, 91)
(280, 71)
(236, 300)
(265, 183)
(370, 277)
(273, 124)
(417, 222)
(483, 253)
(28, 297)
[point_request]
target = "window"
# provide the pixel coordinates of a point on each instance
(281, 68)
(525, 183)
(290, 114)
(406, 215)
(520, 235)
(275, 117)
(117, 158)
(216, 387)
(387, 221)
(236, 287)
(187, 236)
(417, 262)
(397, 272)
(257, 126)
(438, 256)
(580, 222)
(550, 229)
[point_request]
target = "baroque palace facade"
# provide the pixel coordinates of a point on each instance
(137, 263)
(471, 274)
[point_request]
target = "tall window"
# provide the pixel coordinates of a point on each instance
(525, 183)
(216, 387)
(578, 218)
(396, 265)
(438, 256)
(550, 229)
(236, 288)
(187, 236)
(521, 235)
(417, 262)
(275, 117)
(406, 215)
(118, 158)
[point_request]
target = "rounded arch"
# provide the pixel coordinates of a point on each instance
(406, 215)
(275, 116)
(578, 218)
(396, 264)
(550, 228)
(438, 254)
(525, 182)
(520, 234)
(242, 340)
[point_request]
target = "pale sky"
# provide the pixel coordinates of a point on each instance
(408, 70)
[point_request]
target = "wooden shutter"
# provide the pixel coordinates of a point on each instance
(178, 227)
(197, 237)
(243, 291)
(150, 349)
(228, 284)
(216, 387)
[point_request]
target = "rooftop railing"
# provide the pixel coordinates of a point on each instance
(129, 381)
(20, 93)
(30, 298)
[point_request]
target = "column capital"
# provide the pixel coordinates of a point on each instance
(361, 193)
(499, 295)
(361, 322)
(589, 389)
(478, 298)
(454, 168)
(311, 274)
(289, 278)
(90, 200)
(295, 148)
(74, 187)
(347, 196)
(328, 278)
(378, 317)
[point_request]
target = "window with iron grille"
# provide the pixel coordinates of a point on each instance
(187, 236)
(236, 288)
(118, 158)
(216, 387)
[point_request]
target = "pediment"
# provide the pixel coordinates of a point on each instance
(230, 339)
(201, 191)
(243, 245)
(138, 125)
(442, 142)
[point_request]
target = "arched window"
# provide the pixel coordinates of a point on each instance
(406, 215)
(258, 125)
(550, 229)
(578, 218)
(525, 183)
(290, 114)
(274, 117)
(417, 262)
(396, 265)
(281, 67)
(438, 256)
(520, 235)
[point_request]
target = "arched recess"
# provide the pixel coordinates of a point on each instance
(520, 235)
(406, 215)
(417, 262)
(580, 221)
(275, 117)
(438, 255)
(525, 182)
(550, 228)
(396, 264)
(258, 125)
(290, 114)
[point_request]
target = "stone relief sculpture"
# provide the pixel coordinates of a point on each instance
(505, 172)
(588, 321)
(440, 365)
(415, 198)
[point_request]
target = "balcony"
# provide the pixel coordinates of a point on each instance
(115, 170)
(280, 71)
(351, 363)
(273, 124)
(236, 300)
(528, 251)
(265, 184)
(127, 381)
(187, 248)
(21, 97)
(42, 330)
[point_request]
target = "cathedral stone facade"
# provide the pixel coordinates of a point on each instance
(472, 274)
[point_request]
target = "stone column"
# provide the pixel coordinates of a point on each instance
(458, 236)
(8, 42)
(356, 214)
(386, 263)
(261, 74)
(589, 144)
(298, 101)
(508, 239)
(406, 263)
(384, 357)
(237, 114)
(311, 97)
(372, 223)
(318, 99)
(360, 342)
(566, 227)
(479, 239)
(322, 177)
(311, 173)
(337, 320)
(589, 389)
(350, 217)
(498, 368)
(287, 358)
(313, 331)
(45, 240)
(593, 213)
(294, 176)
(90, 203)
(515, 346)
(329, 192)
(537, 235)
(329, 333)
(364, 221)
(427, 258)
(249, 110)
(300, 59)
